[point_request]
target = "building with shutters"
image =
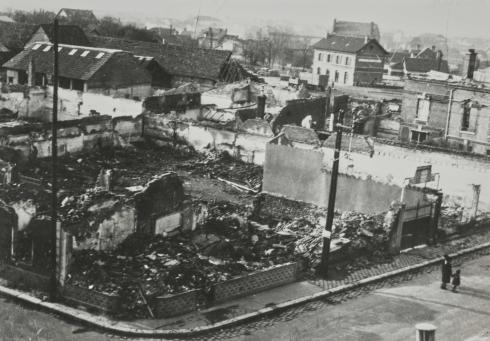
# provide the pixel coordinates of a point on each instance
(349, 60)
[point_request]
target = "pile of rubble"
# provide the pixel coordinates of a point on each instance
(223, 166)
(356, 231)
(226, 246)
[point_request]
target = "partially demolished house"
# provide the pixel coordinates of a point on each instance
(81, 68)
(181, 64)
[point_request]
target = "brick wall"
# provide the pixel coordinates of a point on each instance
(100, 301)
(173, 305)
(257, 281)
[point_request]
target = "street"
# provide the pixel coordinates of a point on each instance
(386, 314)
(391, 313)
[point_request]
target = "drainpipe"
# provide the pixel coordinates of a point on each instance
(446, 132)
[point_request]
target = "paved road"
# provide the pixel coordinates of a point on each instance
(386, 314)
(391, 313)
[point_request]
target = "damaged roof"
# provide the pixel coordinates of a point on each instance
(176, 60)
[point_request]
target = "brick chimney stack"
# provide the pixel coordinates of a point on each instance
(469, 64)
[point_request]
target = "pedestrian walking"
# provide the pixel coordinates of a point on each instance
(456, 280)
(447, 271)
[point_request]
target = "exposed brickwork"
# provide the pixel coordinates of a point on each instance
(104, 302)
(173, 305)
(257, 281)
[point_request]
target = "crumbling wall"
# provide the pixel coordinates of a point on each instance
(392, 164)
(296, 110)
(161, 197)
(301, 174)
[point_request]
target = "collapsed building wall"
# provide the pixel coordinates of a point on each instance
(37, 103)
(302, 175)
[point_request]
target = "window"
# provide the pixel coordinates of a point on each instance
(35, 47)
(64, 83)
(345, 77)
(347, 60)
(11, 80)
(72, 52)
(77, 85)
(465, 123)
(319, 57)
(423, 109)
(337, 59)
(418, 136)
(100, 55)
(84, 53)
(488, 152)
(319, 71)
(328, 57)
(47, 48)
(336, 76)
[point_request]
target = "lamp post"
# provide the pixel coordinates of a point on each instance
(54, 158)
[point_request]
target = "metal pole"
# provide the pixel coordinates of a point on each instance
(327, 233)
(54, 157)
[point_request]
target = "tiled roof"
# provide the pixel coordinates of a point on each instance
(15, 35)
(356, 29)
(67, 34)
(341, 43)
(70, 65)
(425, 65)
(176, 60)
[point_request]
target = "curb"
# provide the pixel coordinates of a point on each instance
(123, 329)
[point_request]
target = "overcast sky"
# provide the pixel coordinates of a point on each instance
(465, 17)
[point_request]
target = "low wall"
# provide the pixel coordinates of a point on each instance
(257, 281)
(172, 305)
(25, 279)
(96, 300)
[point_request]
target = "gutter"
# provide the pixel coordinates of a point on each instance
(446, 130)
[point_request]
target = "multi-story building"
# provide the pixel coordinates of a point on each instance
(454, 115)
(349, 60)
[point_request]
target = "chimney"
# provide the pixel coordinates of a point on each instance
(439, 60)
(469, 64)
(30, 72)
(261, 104)
(365, 39)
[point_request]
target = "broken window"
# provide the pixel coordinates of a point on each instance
(423, 109)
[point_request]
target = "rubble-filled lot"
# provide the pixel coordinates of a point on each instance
(227, 245)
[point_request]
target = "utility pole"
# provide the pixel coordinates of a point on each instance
(54, 159)
(338, 107)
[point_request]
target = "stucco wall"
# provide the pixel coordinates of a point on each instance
(303, 175)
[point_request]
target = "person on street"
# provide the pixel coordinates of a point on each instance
(456, 280)
(446, 271)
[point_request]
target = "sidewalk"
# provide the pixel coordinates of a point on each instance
(271, 301)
